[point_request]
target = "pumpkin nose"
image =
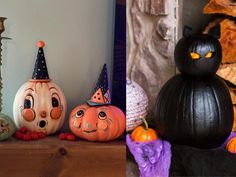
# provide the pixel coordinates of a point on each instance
(87, 125)
(43, 114)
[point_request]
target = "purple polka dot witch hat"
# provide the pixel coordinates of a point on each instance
(101, 94)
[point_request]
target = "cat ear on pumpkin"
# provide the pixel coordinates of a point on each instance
(187, 31)
(215, 32)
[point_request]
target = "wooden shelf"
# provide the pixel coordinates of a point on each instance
(51, 157)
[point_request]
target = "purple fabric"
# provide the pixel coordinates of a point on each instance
(153, 158)
(233, 134)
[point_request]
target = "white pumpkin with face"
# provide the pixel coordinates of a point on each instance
(40, 105)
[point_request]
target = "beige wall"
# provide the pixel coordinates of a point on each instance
(78, 36)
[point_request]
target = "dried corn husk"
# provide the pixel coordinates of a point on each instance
(228, 72)
(227, 7)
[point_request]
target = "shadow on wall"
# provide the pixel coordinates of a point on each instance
(193, 16)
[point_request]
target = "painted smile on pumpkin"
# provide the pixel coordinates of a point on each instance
(4, 127)
(89, 131)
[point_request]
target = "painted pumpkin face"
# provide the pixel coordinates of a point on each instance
(40, 106)
(198, 55)
(100, 123)
(7, 127)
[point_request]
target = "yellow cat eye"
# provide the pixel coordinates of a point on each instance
(209, 55)
(194, 55)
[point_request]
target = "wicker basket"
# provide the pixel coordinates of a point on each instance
(136, 104)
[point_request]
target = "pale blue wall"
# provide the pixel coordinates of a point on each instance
(78, 36)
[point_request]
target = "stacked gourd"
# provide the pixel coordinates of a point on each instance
(194, 107)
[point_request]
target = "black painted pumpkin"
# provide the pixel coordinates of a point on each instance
(198, 55)
(195, 108)
(194, 111)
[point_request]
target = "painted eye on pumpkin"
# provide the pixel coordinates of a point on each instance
(102, 115)
(55, 100)
(3, 123)
(28, 102)
(79, 113)
(209, 55)
(195, 56)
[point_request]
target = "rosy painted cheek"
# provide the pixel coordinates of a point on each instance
(102, 125)
(28, 114)
(77, 123)
(56, 113)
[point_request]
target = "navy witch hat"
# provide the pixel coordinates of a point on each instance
(40, 67)
(101, 94)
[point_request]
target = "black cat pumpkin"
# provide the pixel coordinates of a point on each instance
(194, 108)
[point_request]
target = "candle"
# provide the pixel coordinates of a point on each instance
(2, 24)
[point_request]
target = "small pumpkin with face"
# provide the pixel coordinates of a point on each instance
(7, 127)
(40, 104)
(97, 123)
(98, 120)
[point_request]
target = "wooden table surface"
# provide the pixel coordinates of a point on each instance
(51, 157)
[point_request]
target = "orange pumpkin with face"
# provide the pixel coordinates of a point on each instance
(97, 123)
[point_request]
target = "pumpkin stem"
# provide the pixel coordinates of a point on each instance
(145, 123)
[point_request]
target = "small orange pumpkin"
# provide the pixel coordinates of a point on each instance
(144, 134)
(231, 145)
(97, 123)
(234, 124)
(98, 120)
